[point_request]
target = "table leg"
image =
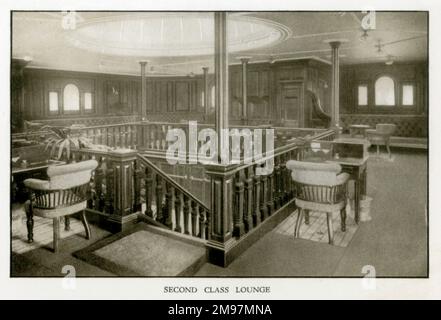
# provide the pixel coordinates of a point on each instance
(307, 217)
(29, 221)
(357, 200)
(67, 223)
(364, 183)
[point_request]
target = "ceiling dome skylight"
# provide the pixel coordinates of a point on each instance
(172, 34)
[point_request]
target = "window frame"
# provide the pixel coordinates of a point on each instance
(68, 112)
(60, 105)
(414, 86)
(92, 100)
(396, 93)
(364, 106)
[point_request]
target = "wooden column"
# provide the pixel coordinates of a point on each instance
(206, 91)
(335, 88)
(123, 168)
(244, 115)
(143, 90)
(222, 175)
(221, 77)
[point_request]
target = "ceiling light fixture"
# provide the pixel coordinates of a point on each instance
(379, 47)
(389, 60)
(364, 36)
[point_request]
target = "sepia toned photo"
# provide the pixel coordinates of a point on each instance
(254, 144)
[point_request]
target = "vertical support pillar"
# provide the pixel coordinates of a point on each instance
(335, 89)
(244, 115)
(221, 78)
(206, 92)
(143, 90)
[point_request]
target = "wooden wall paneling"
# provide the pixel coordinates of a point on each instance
(171, 97)
(182, 95)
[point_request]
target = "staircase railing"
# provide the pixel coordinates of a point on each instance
(167, 202)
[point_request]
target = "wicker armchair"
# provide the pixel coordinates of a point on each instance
(65, 193)
(321, 187)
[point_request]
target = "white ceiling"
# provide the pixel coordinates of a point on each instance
(283, 35)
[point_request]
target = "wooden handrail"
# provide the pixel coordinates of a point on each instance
(167, 178)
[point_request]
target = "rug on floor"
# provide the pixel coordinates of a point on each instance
(143, 251)
(317, 230)
(43, 231)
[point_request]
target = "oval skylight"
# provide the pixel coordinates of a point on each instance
(172, 34)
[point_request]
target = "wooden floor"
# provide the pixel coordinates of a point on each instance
(317, 229)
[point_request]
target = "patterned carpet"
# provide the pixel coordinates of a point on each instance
(317, 230)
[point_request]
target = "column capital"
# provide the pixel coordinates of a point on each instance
(205, 69)
(335, 43)
(244, 59)
(143, 62)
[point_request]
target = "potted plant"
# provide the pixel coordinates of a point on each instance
(61, 142)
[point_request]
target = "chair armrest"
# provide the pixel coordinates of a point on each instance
(342, 178)
(37, 184)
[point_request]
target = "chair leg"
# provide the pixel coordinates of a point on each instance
(85, 224)
(388, 150)
(67, 223)
(298, 223)
(343, 219)
(29, 221)
(56, 233)
(307, 217)
(330, 227)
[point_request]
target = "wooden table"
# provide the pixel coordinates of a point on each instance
(357, 169)
(354, 129)
(33, 170)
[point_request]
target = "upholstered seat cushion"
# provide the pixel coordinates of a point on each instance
(321, 207)
(324, 173)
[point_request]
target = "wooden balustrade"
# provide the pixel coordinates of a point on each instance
(169, 204)
(126, 184)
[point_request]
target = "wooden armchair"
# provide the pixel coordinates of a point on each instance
(381, 135)
(321, 187)
(65, 193)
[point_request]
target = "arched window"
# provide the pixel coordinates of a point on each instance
(71, 98)
(385, 91)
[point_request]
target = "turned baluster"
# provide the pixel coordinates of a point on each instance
(105, 136)
(99, 179)
(152, 135)
(194, 217)
(168, 207)
(202, 223)
(158, 199)
(121, 135)
(186, 215)
(277, 192)
(178, 207)
(248, 210)
(238, 229)
(132, 137)
(264, 196)
(110, 183)
(271, 183)
(283, 176)
(256, 213)
(148, 192)
(137, 176)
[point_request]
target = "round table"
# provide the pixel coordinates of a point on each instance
(354, 129)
